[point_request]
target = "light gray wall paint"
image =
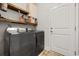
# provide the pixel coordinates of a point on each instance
(10, 14)
(78, 27)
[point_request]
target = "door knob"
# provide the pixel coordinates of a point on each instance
(51, 31)
(51, 28)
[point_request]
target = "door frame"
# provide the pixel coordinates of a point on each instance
(77, 22)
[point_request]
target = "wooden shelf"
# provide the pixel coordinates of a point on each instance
(13, 7)
(16, 22)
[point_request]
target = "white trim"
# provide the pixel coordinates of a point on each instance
(77, 29)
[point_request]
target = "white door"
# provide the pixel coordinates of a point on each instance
(63, 29)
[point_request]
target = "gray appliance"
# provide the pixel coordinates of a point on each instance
(39, 42)
(22, 44)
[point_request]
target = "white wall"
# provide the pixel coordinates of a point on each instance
(33, 10)
(44, 21)
(23, 6)
(77, 28)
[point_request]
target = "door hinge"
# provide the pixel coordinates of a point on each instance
(75, 4)
(75, 28)
(75, 53)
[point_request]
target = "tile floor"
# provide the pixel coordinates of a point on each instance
(49, 53)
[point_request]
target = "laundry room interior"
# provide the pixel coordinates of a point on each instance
(39, 29)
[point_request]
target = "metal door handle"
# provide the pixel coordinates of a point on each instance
(51, 28)
(51, 31)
